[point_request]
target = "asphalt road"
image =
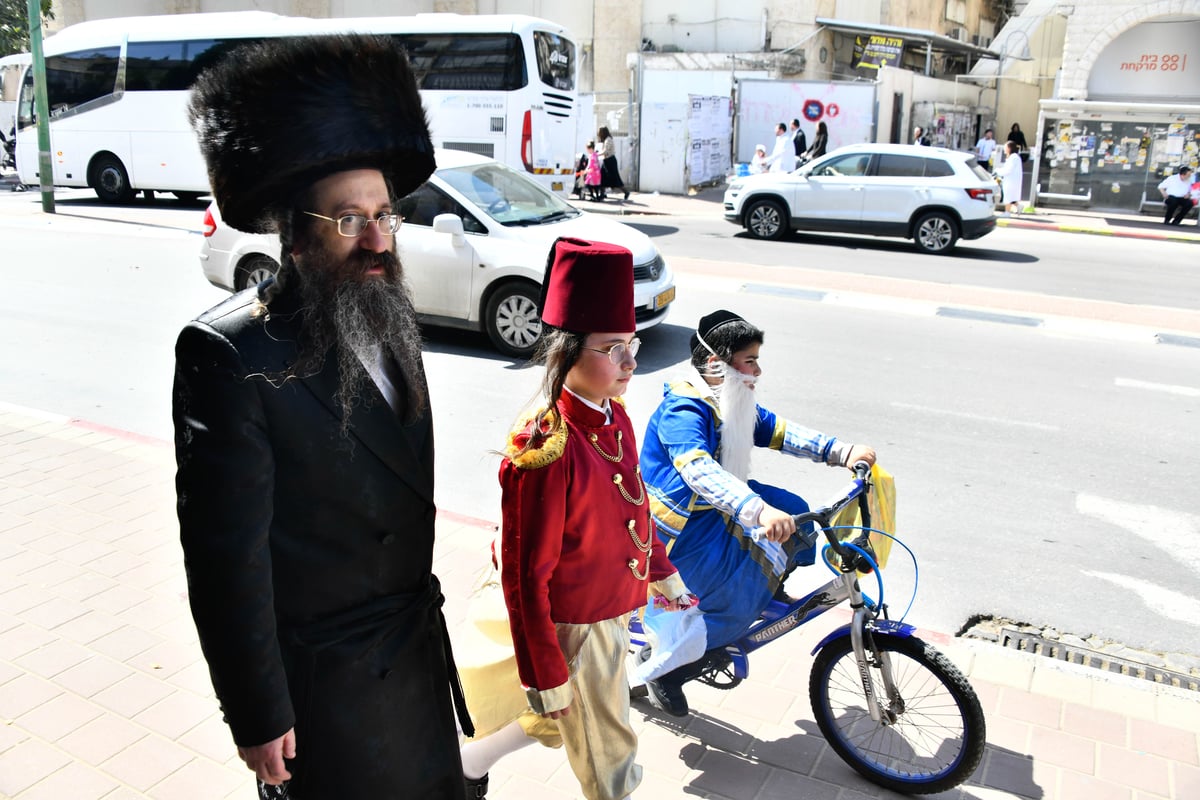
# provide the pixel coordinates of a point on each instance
(1042, 478)
(1070, 266)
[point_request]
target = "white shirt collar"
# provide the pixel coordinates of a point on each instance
(605, 409)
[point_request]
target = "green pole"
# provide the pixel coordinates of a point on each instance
(41, 106)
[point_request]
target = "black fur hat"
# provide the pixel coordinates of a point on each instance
(278, 115)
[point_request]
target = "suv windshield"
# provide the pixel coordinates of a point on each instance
(506, 195)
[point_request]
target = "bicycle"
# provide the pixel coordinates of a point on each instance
(891, 706)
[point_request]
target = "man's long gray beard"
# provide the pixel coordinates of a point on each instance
(356, 318)
(739, 413)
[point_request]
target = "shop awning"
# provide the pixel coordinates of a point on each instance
(1132, 112)
(934, 42)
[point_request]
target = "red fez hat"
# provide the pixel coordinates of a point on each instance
(588, 287)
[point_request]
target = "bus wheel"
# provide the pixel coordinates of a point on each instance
(111, 181)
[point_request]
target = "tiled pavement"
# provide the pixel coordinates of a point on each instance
(103, 693)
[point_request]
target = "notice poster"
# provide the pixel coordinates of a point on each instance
(710, 136)
(875, 51)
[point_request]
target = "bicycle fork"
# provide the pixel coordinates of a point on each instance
(862, 641)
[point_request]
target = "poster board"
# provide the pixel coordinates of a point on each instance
(846, 108)
(710, 132)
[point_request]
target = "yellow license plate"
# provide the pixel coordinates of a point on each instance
(662, 298)
(557, 186)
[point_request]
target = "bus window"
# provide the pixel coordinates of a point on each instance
(76, 78)
(556, 60)
(172, 66)
(466, 62)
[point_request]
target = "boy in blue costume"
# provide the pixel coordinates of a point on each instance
(730, 538)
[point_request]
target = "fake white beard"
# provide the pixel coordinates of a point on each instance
(739, 412)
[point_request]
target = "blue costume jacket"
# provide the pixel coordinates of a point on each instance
(697, 519)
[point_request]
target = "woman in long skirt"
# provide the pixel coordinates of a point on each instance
(610, 176)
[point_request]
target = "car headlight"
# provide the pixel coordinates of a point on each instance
(736, 186)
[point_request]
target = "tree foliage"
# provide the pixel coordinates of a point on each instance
(14, 24)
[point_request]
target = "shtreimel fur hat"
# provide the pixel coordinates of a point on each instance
(278, 115)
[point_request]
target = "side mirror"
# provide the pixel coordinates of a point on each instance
(450, 224)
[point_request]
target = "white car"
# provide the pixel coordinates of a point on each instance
(474, 245)
(931, 195)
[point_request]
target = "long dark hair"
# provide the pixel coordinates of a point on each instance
(603, 133)
(559, 350)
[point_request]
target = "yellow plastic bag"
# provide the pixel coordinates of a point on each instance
(881, 502)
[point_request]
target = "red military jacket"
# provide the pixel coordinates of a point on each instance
(577, 542)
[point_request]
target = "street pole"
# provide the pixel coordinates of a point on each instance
(41, 105)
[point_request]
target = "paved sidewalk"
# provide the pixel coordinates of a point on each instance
(707, 202)
(104, 694)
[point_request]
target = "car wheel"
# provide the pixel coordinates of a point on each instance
(111, 181)
(511, 319)
(767, 219)
(254, 270)
(936, 233)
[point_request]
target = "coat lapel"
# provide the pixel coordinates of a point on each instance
(380, 431)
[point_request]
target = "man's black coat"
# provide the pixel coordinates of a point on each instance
(309, 561)
(799, 142)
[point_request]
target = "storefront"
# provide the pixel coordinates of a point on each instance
(1140, 123)
(1106, 155)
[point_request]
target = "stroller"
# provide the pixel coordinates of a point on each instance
(580, 173)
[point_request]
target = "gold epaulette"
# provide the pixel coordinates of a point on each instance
(549, 447)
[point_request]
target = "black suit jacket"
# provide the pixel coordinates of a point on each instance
(308, 556)
(799, 142)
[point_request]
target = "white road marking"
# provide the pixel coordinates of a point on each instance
(1164, 602)
(976, 417)
(1185, 391)
(1175, 532)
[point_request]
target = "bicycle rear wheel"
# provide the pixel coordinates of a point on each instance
(931, 738)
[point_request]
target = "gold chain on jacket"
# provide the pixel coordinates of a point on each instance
(643, 546)
(641, 576)
(595, 440)
(619, 480)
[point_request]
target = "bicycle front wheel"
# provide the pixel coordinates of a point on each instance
(931, 736)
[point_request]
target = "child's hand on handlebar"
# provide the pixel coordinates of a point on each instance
(860, 452)
(776, 525)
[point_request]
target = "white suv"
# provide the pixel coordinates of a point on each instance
(474, 245)
(932, 195)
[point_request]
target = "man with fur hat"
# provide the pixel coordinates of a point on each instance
(303, 435)
(730, 537)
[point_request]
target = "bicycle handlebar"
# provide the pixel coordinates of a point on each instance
(823, 515)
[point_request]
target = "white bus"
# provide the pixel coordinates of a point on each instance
(499, 85)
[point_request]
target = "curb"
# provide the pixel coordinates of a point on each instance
(1096, 231)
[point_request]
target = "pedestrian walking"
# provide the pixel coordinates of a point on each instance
(1011, 177)
(799, 140)
(610, 174)
(303, 434)
(984, 148)
(575, 554)
(783, 156)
